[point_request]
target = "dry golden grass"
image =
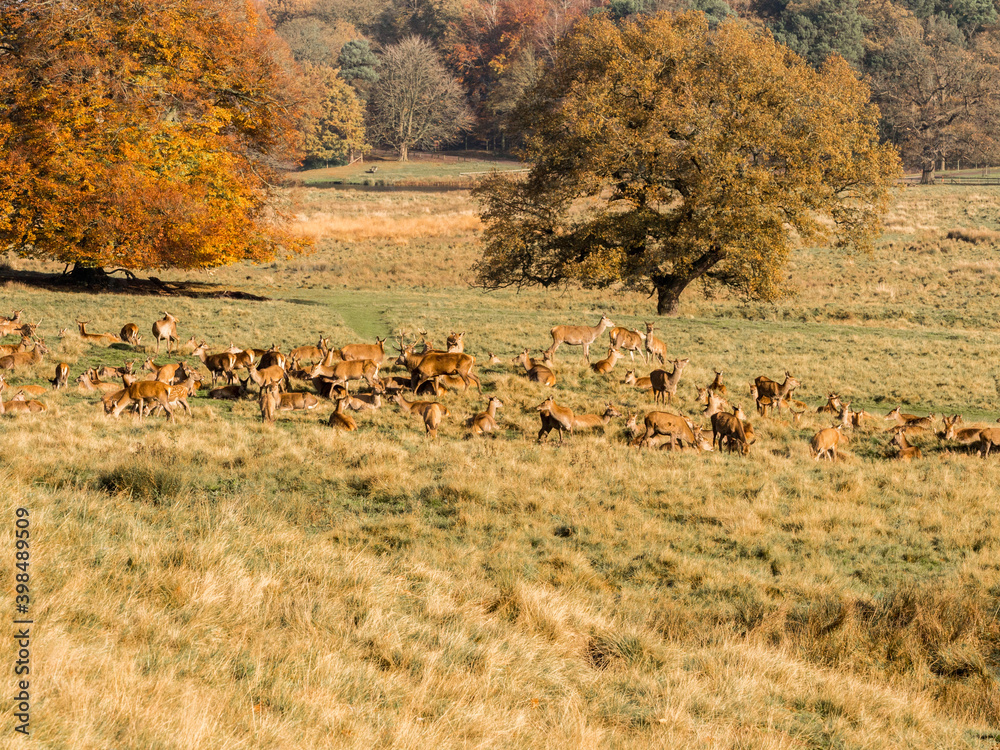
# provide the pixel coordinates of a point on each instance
(384, 227)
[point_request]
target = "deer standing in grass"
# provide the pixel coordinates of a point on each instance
(606, 365)
(630, 341)
(455, 343)
(486, 421)
(431, 411)
(664, 384)
(988, 438)
(130, 334)
(655, 347)
(62, 376)
(432, 365)
(219, 365)
(268, 400)
(825, 442)
(774, 390)
(375, 352)
(346, 371)
(673, 426)
(24, 359)
(143, 391)
(730, 427)
(269, 376)
(311, 353)
(538, 373)
(578, 336)
(554, 417)
(166, 330)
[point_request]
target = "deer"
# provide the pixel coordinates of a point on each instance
(10, 325)
(825, 442)
(375, 352)
(166, 330)
(776, 391)
(341, 421)
(965, 436)
(106, 371)
(19, 404)
(631, 425)
(89, 381)
(268, 400)
(492, 359)
(906, 451)
(230, 392)
(268, 376)
(655, 347)
(604, 366)
(716, 385)
(130, 334)
(988, 438)
(845, 416)
(674, 426)
(272, 358)
(900, 418)
(141, 392)
(630, 341)
(24, 359)
(640, 384)
(311, 353)
(177, 396)
(346, 371)
(455, 343)
(364, 401)
(764, 403)
(538, 373)
(221, 364)
(594, 421)
(432, 365)
(798, 408)
(832, 405)
(431, 411)
(730, 427)
(62, 376)
(96, 338)
(554, 417)
(7, 349)
(578, 336)
(485, 421)
(243, 358)
(297, 401)
(665, 385)
(170, 374)
(713, 404)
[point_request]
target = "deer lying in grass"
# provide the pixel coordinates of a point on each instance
(341, 421)
(24, 359)
(141, 392)
(595, 421)
(630, 341)
(62, 376)
(7, 349)
(10, 325)
(825, 442)
(230, 392)
(492, 359)
(166, 330)
(716, 386)
(606, 365)
(554, 417)
(578, 336)
(362, 402)
(537, 372)
(641, 384)
(654, 347)
(106, 372)
(18, 404)
(899, 418)
(674, 427)
(218, 365)
(486, 421)
(297, 401)
(102, 339)
(89, 381)
(130, 334)
(966, 436)
(906, 451)
(832, 405)
(729, 427)
(311, 354)
(455, 343)
(431, 411)
(665, 385)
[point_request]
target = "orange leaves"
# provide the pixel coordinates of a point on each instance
(145, 128)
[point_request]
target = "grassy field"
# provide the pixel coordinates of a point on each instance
(444, 171)
(221, 583)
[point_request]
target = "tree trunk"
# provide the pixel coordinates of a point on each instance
(668, 299)
(88, 274)
(669, 287)
(404, 151)
(927, 173)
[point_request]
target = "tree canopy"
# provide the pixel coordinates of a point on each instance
(141, 133)
(664, 151)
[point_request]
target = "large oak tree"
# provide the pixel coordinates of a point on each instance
(140, 133)
(664, 152)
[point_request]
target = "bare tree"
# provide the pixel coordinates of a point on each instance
(415, 102)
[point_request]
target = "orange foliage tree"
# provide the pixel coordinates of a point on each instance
(141, 133)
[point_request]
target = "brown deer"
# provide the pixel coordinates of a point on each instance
(455, 343)
(641, 384)
(107, 371)
(341, 421)
(230, 392)
(268, 400)
(24, 359)
(578, 336)
(375, 352)
(177, 396)
(965, 436)
(832, 405)
(243, 358)
(673, 426)
(825, 442)
(311, 353)
(19, 404)
(716, 385)
(297, 401)
(988, 438)
(655, 347)
(774, 390)
(486, 421)
(664, 384)
(268, 376)
(172, 374)
(431, 411)
(730, 427)
(798, 408)
(432, 365)
(62, 376)
(143, 391)
(492, 359)
(221, 364)
(166, 330)
(594, 421)
(906, 451)
(89, 382)
(714, 404)
(10, 325)
(348, 370)
(899, 418)
(130, 334)
(554, 417)
(272, 358)
(363, 401)
(606, 365)
(7, 349)
(96, 338)
(630, 341)
(536, 372)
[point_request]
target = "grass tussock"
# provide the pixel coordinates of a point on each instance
(975, 236)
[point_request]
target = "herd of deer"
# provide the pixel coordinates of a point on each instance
(167, 387)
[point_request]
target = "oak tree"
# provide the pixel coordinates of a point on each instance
(664, 152)
(141, 133)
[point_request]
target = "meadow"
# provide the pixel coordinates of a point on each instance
(223, 583)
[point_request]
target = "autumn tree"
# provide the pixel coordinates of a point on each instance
(334, 127)
(664, 152)
(415, 103)
(141, 133)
